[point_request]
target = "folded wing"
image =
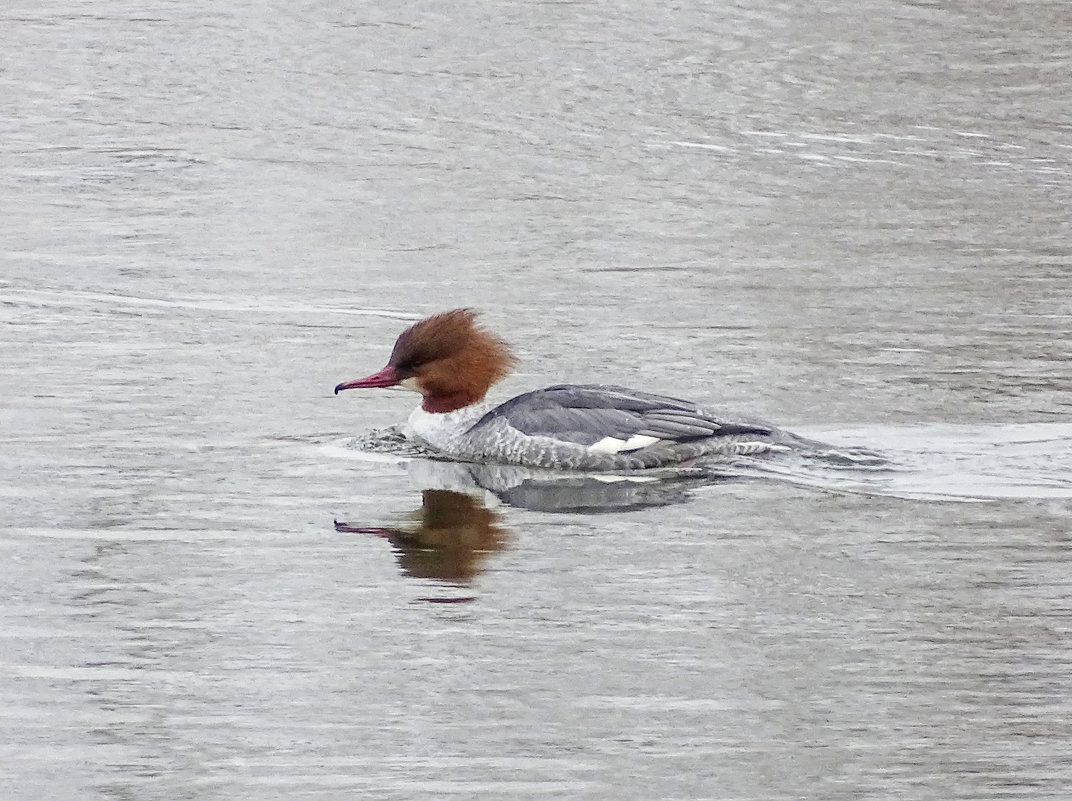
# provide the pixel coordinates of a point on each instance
(610, 419)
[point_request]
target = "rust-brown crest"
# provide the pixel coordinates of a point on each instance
(454, 360)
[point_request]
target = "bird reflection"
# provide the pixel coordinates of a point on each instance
(453, 537)
(454, 532)
(556, 490)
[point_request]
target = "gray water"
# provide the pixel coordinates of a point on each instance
(849, 218)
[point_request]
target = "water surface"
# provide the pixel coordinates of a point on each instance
(847, 218)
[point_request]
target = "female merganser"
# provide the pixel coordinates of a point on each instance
(453, 362)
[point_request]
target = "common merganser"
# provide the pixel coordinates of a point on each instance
(452, 362)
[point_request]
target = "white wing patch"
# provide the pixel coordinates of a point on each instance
(615, 445)
(752, 448)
